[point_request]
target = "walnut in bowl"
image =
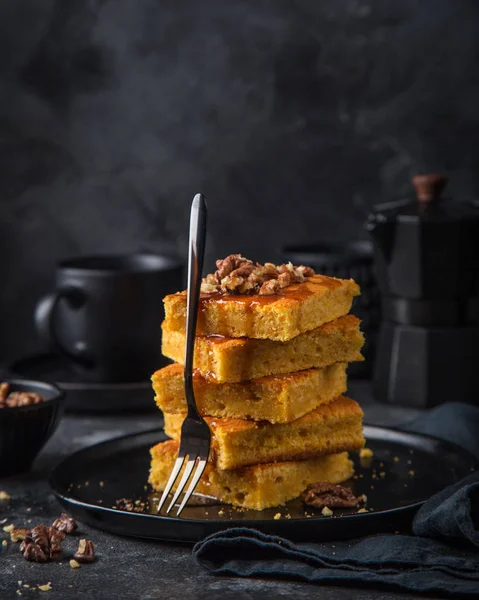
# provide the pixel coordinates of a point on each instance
(29, 414)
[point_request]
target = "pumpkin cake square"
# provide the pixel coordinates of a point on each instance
(255, 487)
(293, 310)
(246, 299)
(277, 398)
(230, 360)
(329, 429)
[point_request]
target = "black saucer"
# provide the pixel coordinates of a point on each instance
(84, 396)
(405, 471)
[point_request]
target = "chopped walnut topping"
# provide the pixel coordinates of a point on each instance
(269, 288)
(238, 275)
(323, 494)
(270, 271)
(306, 271)
(229, 264)
(284, 280)
(244, 271)
(208, 288)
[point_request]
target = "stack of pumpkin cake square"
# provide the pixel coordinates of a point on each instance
(271, 350)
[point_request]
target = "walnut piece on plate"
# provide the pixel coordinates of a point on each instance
(329, 495)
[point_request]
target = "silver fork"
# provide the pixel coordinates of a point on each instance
(195, 433)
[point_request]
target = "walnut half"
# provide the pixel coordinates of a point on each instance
(65, 523)
(85, 552)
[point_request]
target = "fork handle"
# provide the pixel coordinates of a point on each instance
(196, 253)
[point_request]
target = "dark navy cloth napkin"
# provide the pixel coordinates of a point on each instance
(441, 556)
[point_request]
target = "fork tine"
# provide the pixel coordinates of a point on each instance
(193, 484)
(184, 480)
(171, 481)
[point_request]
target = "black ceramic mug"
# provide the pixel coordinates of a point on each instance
(105, 314)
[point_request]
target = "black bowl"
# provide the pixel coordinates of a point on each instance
(24, 430)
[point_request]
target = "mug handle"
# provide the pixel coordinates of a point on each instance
(45, 311)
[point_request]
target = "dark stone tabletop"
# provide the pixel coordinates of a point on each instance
(132, 568)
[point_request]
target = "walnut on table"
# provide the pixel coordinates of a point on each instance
(85, 552)
(65, 523)
(42, 541)
(49, 538)
(35, 553)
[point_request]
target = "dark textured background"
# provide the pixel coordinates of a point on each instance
(293, 117)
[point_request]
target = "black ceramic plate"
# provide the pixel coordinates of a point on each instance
(406, 470)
